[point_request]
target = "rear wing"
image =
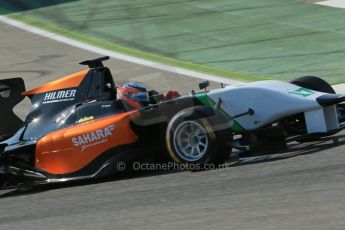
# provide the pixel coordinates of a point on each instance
(50, 99)
(10, 95)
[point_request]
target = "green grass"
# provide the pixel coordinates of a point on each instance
(136, 53)
(240, 39)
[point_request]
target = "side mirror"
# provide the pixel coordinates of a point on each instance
(158, 97)
(155, 97)
(204, 84)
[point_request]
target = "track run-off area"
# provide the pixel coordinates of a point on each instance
(242, 39)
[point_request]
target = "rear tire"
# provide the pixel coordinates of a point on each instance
(192, 141)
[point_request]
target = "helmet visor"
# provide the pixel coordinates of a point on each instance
(139, 96)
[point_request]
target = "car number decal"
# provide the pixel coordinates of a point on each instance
(304, 92)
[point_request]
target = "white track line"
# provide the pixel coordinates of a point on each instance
(333, 3)
(116, 55)
(339, 88)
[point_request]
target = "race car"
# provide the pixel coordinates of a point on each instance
(79, 127)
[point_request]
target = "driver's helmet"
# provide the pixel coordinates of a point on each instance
(133, 94)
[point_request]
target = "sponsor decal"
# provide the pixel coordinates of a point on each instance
(86, 118)
(304, 92)
(59, 96)
(93, 138)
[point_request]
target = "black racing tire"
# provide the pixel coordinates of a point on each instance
(192, 141)
(313, 83)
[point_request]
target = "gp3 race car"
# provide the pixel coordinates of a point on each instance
(77, 128)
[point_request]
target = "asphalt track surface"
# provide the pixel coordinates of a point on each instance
(300, 189)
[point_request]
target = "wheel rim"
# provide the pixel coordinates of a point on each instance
(190, 141)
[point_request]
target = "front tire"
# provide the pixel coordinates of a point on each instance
(313, 83)
(192, 141)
